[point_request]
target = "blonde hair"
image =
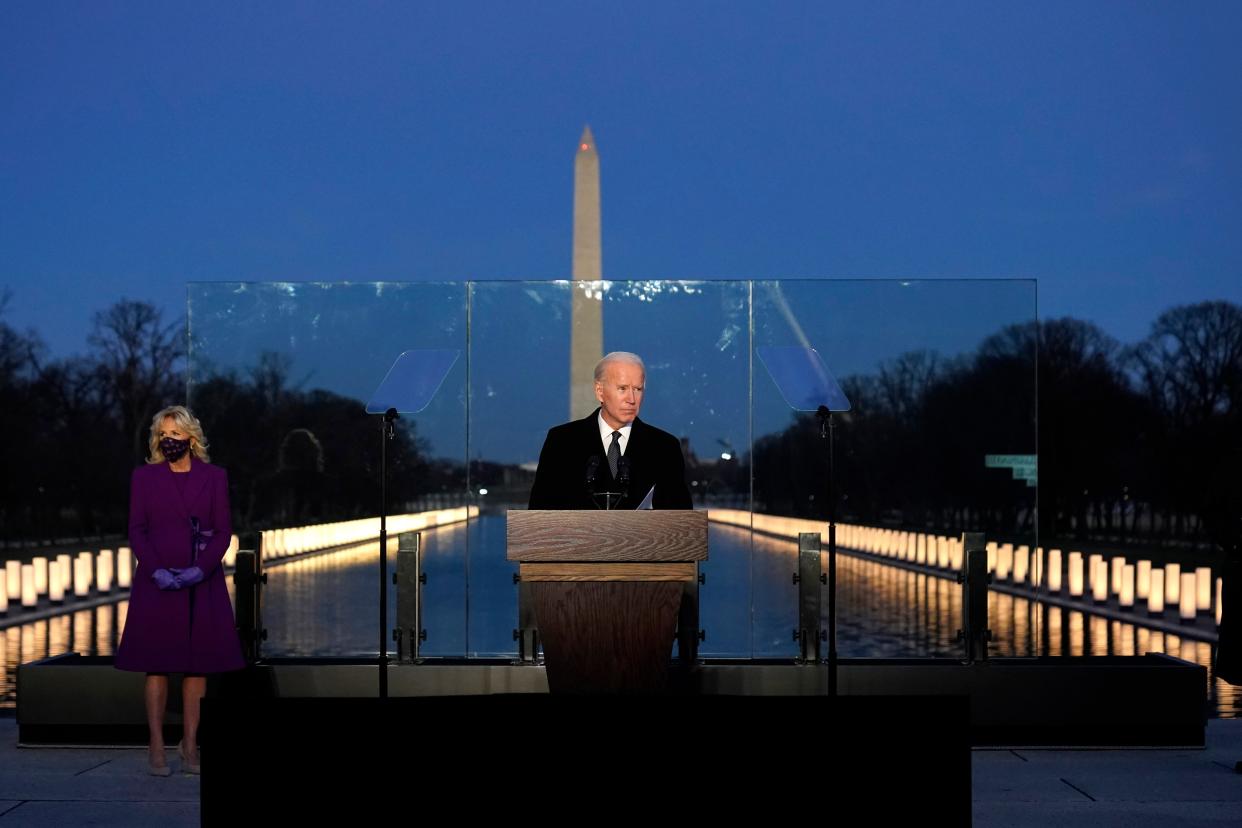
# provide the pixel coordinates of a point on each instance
(185, 421)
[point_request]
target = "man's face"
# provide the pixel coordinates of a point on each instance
(620, 393)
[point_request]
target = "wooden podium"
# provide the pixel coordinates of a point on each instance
(607, 587)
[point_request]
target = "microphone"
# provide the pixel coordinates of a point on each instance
(623, 473)
(591, 470)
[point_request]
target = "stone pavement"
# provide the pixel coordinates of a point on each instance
(1107, 788)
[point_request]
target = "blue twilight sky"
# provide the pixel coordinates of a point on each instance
(1090, 145)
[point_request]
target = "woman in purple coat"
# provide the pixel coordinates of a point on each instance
(180, 619)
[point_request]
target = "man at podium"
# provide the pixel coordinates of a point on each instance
(611, 450)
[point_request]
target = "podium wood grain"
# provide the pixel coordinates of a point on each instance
(607, 636)
(607, 588)
(680, 572)
(548, 535)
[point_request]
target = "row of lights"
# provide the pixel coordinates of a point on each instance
(79, 576)
(284, 543)
(101, 572)
(1093, 576)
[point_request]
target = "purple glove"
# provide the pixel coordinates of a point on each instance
(189, 576)
(165, 579)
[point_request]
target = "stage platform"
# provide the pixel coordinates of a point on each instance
(1104, 701)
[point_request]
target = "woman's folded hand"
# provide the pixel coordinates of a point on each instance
(189, 576)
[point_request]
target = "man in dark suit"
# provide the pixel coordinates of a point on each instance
(611, 450)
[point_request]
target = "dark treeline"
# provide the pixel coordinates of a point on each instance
(1135, 443)
(71, 430)
(1139, 443)
(296, 456)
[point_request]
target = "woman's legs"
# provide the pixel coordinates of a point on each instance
(155, 693)
(192, 690)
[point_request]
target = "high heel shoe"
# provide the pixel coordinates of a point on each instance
(186, 765)
(157, 770)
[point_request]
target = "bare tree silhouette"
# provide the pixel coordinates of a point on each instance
(139, 364)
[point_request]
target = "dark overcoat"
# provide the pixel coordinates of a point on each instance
(654, 457)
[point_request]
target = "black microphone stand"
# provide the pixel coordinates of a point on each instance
(610, 498)
(623, 478)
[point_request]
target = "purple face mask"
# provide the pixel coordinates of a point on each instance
(173, 448)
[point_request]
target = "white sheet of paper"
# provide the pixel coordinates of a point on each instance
(646, 504)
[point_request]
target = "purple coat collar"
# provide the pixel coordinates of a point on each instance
(194, 485)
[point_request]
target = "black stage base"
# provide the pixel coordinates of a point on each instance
(588, 758)
(1102, 701)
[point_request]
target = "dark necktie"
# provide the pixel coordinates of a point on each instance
(614, 453)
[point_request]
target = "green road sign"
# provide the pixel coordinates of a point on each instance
(1024, 466)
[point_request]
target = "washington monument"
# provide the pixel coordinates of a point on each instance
(586, 343)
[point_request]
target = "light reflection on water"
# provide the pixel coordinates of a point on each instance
(326, 605)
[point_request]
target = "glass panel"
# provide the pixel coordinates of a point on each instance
(519, 369)
(280, 373)
(939, 375)
(693, 338)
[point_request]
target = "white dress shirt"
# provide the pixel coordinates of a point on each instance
(605, 434)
